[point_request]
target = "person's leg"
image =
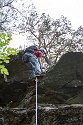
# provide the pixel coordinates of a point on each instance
(32, 68)
(33, 65)
(29, 64)
(35, 62)
(37, 67)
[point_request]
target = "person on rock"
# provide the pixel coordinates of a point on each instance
(32, 59)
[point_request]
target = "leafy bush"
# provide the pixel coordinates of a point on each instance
(5, 52)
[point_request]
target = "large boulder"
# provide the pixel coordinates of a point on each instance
(67, 72)
(67, 77)
(62, 84)
(61, 87)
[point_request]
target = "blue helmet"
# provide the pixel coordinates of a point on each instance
(43, 50)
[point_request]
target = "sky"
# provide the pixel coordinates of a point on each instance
(72, 9)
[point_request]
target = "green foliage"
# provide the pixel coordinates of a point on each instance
(5, 52)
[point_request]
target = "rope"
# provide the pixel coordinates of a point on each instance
(36, 100)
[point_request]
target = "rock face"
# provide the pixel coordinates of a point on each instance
(67, 77)
(69, 115)
(61, 87)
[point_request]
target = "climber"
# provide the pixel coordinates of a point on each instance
(32, 59)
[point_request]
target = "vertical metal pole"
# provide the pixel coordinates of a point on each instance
(36, 100)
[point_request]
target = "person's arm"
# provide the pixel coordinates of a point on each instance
(39, 60)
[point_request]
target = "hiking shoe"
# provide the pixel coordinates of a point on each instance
(38, 74)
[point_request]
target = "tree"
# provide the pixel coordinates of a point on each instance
(5, 14)
(48, 33)
(56, 36)
(12, 14)
(5, 52)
